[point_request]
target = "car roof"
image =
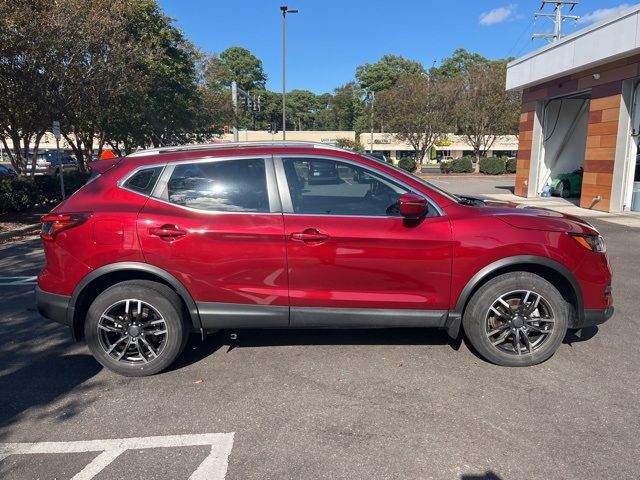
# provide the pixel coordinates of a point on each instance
(204, 148)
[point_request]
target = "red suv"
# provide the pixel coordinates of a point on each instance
(198, 238)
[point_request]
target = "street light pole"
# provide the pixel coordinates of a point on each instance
(284, 9)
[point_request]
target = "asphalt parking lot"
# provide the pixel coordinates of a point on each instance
(320, 404)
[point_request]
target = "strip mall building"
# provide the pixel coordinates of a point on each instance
(581, 108)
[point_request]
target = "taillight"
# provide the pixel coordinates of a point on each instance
(54, 223)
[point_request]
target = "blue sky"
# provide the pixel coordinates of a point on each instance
(329, 38)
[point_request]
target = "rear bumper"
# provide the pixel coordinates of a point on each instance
(53, 306)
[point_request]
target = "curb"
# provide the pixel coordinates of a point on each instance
(19, 231)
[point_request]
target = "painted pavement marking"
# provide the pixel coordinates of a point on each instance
(213, 467)
(18, 280)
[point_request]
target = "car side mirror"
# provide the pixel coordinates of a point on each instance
(412, 206)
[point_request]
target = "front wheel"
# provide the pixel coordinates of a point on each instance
(516, 319)
(136, 328)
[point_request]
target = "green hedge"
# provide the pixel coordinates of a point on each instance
(493, 166)
(457, 165)
(512, 165)
(22, 193)
(408, 164)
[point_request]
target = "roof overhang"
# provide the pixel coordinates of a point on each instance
(603, 42)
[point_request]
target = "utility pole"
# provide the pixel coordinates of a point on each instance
(284, 9)
(556, 17)
(234, 103)
(373, 101)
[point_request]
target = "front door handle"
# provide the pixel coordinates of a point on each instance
(310, 235)
(167, 232)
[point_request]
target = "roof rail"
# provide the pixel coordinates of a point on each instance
(215, 146)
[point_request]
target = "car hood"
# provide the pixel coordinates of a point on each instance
(534, 218)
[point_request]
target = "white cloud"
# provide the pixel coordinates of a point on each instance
(602, 13)
(497, 15)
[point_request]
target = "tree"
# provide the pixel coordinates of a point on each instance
(484, 109)
(418, 109)
(459, 64)
(385, 72)
(239, 64)
(25, 111)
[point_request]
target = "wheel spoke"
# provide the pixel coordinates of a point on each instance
(532, 307)
(148, 345)
(516, 341)
(110, 329)
(498, 329)
(144, 359)
(501, 338)
(527, 341)
(506, 305)
(155, 332)
(538, 329)
(116, 343)
(155, 322)
(126, 347)
(508, 316)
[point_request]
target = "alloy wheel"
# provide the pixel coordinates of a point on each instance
(519, 322)
(132, 331)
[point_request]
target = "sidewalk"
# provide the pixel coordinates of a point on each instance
(627, 219)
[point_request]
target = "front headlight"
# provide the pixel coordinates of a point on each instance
(595, 243)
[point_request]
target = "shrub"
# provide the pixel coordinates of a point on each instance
(511, 165)
(461, 165)
(408, 164)
(492, 166)
(445, 167)
(18, 194)
(21, 193)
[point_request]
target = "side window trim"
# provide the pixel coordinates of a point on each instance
(285, 195)
(160, 192)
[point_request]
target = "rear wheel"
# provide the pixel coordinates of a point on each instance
(516, 319)
(136, 328)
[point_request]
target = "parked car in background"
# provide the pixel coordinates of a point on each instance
(176, 240)
(323, 172)
(378, 156)
(7, 171)
(49, 162)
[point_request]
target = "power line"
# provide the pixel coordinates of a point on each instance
(556, 17)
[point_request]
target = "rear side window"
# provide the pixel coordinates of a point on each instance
(222, 186)
(144, 180)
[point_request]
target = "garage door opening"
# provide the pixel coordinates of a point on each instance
(565, 122)
(631, 179)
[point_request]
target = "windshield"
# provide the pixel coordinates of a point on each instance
(444, 193)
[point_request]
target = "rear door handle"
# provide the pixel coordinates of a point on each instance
(310, 235)
(167, 232)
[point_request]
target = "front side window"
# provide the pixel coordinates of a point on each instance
(223, 186)
(330, 187)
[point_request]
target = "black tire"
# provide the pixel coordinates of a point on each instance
(551, 313)
(156, 296)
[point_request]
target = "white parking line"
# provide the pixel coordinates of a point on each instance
(18, 280)
(213, 467)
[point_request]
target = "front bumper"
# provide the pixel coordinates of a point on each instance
(53, 306)
(594, 317)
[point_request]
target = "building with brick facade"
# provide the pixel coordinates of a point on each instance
(581, 109)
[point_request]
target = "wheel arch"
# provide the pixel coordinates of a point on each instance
(557, 274)
(104, 277)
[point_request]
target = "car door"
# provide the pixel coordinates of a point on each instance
(216, 225)
(352, 259)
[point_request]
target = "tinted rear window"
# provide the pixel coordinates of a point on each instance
(144, 180)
